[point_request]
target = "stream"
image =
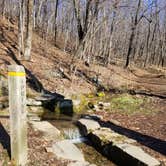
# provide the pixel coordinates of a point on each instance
(70, 131)
(91, 104)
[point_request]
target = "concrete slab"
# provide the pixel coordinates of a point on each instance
(104, 136)
(138, 154)
(49, 131)
(87, 126)
(115, 146)
(67, 150)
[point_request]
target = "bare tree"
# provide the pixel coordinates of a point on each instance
(21, 27)
(55, 17)
(29, 30)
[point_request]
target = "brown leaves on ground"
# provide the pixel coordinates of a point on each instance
(37, 154)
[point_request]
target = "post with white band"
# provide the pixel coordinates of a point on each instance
(18, 114)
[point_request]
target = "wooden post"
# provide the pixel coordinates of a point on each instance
(18, 114)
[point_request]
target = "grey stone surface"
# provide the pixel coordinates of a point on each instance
(33, 102)
(105, 136)
(49, 131)
(87, 126)
(139, 154)
(45, 98)
(116, 146)
(67, 150)
(120, 148)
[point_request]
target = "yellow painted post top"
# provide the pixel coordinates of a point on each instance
(16, 74)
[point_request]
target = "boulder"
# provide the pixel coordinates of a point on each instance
(66, 107)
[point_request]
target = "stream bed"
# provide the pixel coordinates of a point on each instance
(70, 131)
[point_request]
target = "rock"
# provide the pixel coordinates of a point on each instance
(78, 163)
(45, 98)
(119, 148)
(76, 102)
(33, 117)
(4, 103)
(137, 155)
(5, 112)
(104, 104)
(91, 105)
(49, 131)
(105, 136)
(87, 125)
(67, 150)
(66, 107)
(3, 86)
(96, 107)
(33, 102)
(36, 110)
(92, 117)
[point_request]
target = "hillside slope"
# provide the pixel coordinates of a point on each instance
(50, 69)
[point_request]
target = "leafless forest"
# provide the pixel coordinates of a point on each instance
(96, 31)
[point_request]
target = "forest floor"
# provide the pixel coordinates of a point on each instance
(50, 68)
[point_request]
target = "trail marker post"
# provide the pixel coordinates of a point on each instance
(18, 114)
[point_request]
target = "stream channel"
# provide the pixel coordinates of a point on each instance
(70, 131)
(121, 103)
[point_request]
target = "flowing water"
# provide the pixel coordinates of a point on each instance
(70, 131)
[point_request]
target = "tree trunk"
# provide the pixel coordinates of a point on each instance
(21, 28)
(87, 16)
(78, 19)
(147, 46)
(130, 47)
(3, 8)
(133, 29)
(55, 17)
(29, 27)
